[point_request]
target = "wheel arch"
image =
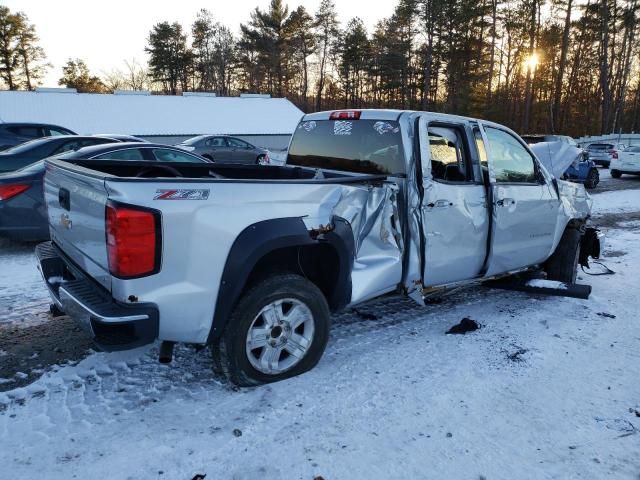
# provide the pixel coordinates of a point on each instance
(285, 244)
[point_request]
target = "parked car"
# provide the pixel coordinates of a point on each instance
(584, 171)
(628, 161)
(12, 134)
(252, 259)
(34, 150)
(603, 153)
(532, 139)
(562, 156)
(224, 149)
(23, 215)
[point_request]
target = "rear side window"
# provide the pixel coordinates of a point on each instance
(166, 155)
(235, 143)
(26, 131)
(512, 162)
(130, 154)
(56, 132)
(216, 142)
(633, 149)
(362, 146)
(449, 160)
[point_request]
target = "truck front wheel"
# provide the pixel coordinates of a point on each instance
(562, 266)
(279, 329)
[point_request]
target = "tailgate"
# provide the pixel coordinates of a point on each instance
(76, 203)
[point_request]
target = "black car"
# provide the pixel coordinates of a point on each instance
(34, 150)
(12, 134)
(23, 214)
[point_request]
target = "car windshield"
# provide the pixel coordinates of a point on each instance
(193, 140)
(26, 146)
(362, 146)
(600, 146)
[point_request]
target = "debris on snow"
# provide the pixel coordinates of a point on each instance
(365, 315)
(606, 315)
(465, 325)
(517, 355)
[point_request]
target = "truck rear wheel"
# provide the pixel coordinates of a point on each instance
(279, 329)
(616, 173)
(562, 266)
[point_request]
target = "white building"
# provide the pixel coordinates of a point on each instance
(258, 119)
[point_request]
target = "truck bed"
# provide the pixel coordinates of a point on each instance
(130, 171)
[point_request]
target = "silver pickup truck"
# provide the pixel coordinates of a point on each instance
(251, 260)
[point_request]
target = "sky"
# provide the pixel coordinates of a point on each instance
(105, 34)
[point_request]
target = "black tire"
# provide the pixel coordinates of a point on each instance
(259, 158)
(616, 173)
(230, 353)
(593, 178)
(562, 266)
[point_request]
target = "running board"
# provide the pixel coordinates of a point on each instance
(543, 287)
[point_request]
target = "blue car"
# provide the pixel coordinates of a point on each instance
(23, 213)
(583, 172)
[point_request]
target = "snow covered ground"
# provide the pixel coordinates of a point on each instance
(23, 298)
(547, 388)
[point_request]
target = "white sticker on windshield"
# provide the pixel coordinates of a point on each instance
(384, 127)
(308, 126)
(341, 127)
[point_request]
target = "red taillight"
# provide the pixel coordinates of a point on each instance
(345, 115)
(10, 191)
(133, 243)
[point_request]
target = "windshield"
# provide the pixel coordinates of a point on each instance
(362, 146)
(193, 140)
(26, 146)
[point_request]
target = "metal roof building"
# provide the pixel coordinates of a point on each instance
(259, 119)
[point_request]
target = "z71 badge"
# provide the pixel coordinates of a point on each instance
(182, 194)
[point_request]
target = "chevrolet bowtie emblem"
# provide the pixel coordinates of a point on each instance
(66, 221)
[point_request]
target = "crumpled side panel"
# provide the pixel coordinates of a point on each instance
(373, 216)
(575, 203)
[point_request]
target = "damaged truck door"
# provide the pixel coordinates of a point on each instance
(525, 203)
(455, 219)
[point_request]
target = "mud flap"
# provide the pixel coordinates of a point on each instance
(591, 245)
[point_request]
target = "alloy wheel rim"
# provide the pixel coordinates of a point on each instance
(280, 336)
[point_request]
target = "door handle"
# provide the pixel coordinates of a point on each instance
(505, 202)
(440, 204)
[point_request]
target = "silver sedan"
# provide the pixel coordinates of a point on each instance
(224, 149)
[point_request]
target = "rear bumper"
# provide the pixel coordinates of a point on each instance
(112, 325)
(625, 167)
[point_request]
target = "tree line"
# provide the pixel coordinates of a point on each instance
(559, 66)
